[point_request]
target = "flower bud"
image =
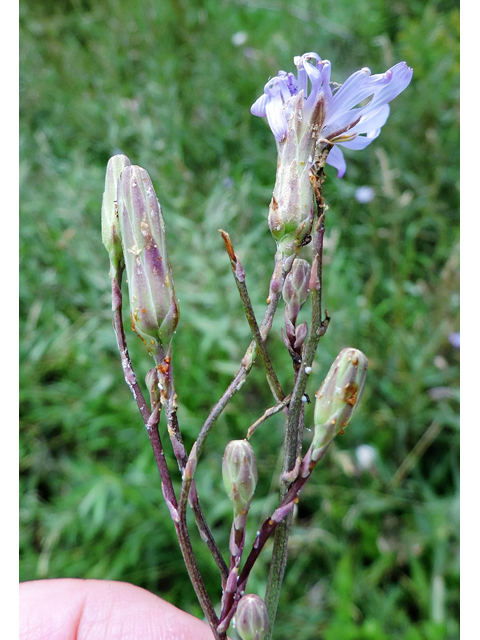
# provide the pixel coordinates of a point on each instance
(338, 396)
(110, 223)
(292, 207)
(251, 618)
(239, 470)
(296, 288)
(154, 308)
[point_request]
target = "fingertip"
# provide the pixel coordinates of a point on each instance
(73, 609)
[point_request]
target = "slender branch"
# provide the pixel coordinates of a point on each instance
(180, 527)
(182, 460)
(281, 269)
(151, 421)
(268, 414)
(239, 275)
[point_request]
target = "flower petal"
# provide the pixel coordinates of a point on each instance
(276, 116)
(335, 159)
(258, 107)
(401, 76)
(372, 121)
(356, 88)
(326, 71)
(337, 127)
(315, 76)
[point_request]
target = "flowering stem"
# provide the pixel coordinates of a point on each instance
(284, 508)
(294, 421)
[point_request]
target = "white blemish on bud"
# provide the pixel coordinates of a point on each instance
(304, 399)
(308, 370)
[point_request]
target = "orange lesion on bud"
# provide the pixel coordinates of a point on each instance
(353, 400)
(350, 393)
(134, 329)
(164, 366)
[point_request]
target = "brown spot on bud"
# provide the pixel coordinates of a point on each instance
(350, 393)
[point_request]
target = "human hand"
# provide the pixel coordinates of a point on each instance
(67, 609)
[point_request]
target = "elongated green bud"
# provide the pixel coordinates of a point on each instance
(110, 223)
(292, 209)
(338, 397)
(154, 308)
(239, 470)
(251, 618)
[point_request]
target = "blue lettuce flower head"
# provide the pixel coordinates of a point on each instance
(339, 120)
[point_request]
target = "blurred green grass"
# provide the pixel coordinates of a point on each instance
(161, 81)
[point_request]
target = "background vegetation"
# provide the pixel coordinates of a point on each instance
(374, 552)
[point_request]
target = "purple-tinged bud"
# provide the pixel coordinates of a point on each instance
(300, 334)
(296, 288)
(154, 308)
(251, 618)
(239, 470)
(110, 223)
(338, 397)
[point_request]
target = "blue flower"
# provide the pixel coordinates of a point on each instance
(341, 120)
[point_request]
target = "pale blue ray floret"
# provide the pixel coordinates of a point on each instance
(344, 122)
